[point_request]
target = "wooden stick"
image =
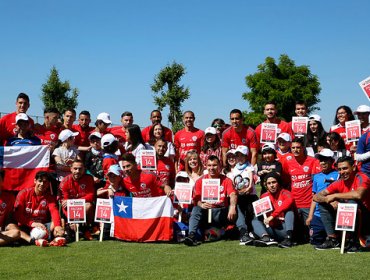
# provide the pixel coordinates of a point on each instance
(101, 232)
(210, 215)
(343, 242)
(77, 233)
(265, 217)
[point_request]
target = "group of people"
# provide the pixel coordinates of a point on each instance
(304, 176)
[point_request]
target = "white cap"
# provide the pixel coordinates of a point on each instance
(96, 134)
(115, 169)
(285, 136)
(182, 174)
(66, 133)
(325, 153)
(21, 117)
(242, 149)
(268, 146)
(105, 117)
(231, 151)
(210, 130)
(107, 140)
(315, 118)
(362, 109)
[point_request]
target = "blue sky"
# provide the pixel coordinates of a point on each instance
(111, 50)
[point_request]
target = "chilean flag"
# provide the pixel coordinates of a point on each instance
(21, 163)
(143, 219)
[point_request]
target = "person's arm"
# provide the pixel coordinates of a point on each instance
(224, 151)
(310, 214)
(321, 196)
(254, 154)
(356, 195)
(363, 157)
(232, 208)
(54, 213)
(287, 202)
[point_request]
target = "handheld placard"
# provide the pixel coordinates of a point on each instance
(346, 220)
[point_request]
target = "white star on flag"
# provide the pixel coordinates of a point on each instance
(122, 207)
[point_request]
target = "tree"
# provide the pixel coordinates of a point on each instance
(169, 93)
(283, 83)
(56, 94)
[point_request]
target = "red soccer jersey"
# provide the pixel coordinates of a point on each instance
(119, 133)
(186, 141)
(341, 130)
(81, 189)
(301, 179)
(7, 127)
(166, 132)
(108, 160)
(82, 139)
(282, 127)
(282, 201)
(352, 184)
(232, 139)
(147, 185)
(30, 208)
(6, 207)
(48, 136)
(166, 171)
(226, 189)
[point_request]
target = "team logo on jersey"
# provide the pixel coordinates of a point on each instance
(221, 188)
(182, 145)
(167, 167)
(289, 157)
(52, 136)
(83, 186)
(43, 203)
(244, 141)
(143, 185)
(305, 168)
(194, 138)
(3, 205)
(280, 202)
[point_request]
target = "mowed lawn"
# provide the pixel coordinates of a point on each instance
(215, 260)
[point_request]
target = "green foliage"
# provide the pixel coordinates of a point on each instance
(283, 83)
(58, 94)
(168, 92)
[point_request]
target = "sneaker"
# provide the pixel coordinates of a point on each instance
(245, 239)
(88, 236)
(265, 241)
(58, 242)
(191, 240)
(353, 249)
(286, 243)
(41, 243)
(95, 230)
(329, 243)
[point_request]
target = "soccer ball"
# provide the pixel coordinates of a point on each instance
(39, 233)
(213, 234)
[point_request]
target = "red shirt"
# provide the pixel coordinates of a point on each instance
(166, 132)
(166, 171)
(81, 189)
(186, 141)
(6, 207)
(226, 189)
(282, 201)
(82, 139)
(282, 127)
(352, 184)
(147, 185)
(301, 179)
(232, 139)
(30, 208)
(119, 133)
(7, 126)
(341, 130)
(47, 136)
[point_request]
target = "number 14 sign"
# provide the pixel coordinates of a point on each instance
(103, 210)
(76, 210)
(148, 160)
(211, 190)
(346, 216)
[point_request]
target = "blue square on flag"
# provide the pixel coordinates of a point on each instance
(122, 206)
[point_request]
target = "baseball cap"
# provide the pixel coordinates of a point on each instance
(210, 130)
(325, 153)
(242, 149)
(285, 136)
(362, 109)
(21, 117)
(231, 151)
(268, 146)
(315, 118)
(105, 117)
(107, 140)
(66, 133)
(115, 169)
(95, 134)
(182, 174)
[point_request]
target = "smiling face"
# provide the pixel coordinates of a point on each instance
(157, 131)
(213, 168)
(270, 111)
(22, 105)
(156, 117)
(342, 116)
(300, 110)
(313, 126)
(188, 119)
(345, 170)
(236, 120)
(77, 170)
(41, 185)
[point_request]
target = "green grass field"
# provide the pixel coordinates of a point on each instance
(216, 260)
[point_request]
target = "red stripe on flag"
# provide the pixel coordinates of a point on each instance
(17, 179)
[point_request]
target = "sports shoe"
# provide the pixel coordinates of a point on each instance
(245, 239)
(286, 243)
(191, 240)
(265, 241)
(58, 242)
(87, 235)
(95, 230)
(41, 243)
(329, 243)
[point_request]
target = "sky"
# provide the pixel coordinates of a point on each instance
(112, 50)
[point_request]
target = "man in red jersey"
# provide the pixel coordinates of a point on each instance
(165, 166)
(141, 183)
(186, 139)
(35, 207)
(270, 112)
(222, 211)
(84, 129)
(8, 124)
(352, 187)
(156, 118)
(69, 116)
(300, 169)
(239, 134)
(120, 131)
(79, 185)
(49, 131)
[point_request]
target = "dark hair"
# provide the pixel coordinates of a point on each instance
(312, 139)
(213, 158)
(270, 102)
(126, 114)
(43, 174)
(155, 111)
(323, 143)
(336, 137)
(86, 113)
(128, 157)
(348, 159)
(348, 110)
(301, 102)
(188, 111)
(70, 110)
(51, 110)
(218, 120)
(78, 161)
(213, 146)
(275, 175)
(298, 140)
(24, 96)
(112, 148)
(97, 122)
(135, 135)
(236, 111)
(152, 138)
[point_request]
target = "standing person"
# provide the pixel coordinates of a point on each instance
(270, 111)
(8, 122)
(69, 117)
(49, 131)
(134, 141)
(165, 166)
(211, 145)
(35, 207)
(110, 147)
(83, 128)
(337, 145)
(102, 123)
(230, 163)
(284, 143)
(239, 134)
(220, 126)
(156, 132)
(363, 153)
(300, 110)
(342, 115)
(120, 131)
(24, 135)
(156, 118)
(315, 132)
(222, 212)
(186, 139)
(363, 113)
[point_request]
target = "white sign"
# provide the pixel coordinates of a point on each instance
(299, 125)
(346, 217)
(365, 85)
(269, 133)
(103, 210)
(76, 211)
(148, 160)
(211, 190)
(353, 130)
(262, 206)
(183, 193)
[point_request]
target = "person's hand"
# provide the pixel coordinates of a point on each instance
(205, 205)
(167, 190)
(58, 231)
(334, 204)
(267, 220)
(329, 198)
(308, 220)
(231, 216)
(64, 203)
